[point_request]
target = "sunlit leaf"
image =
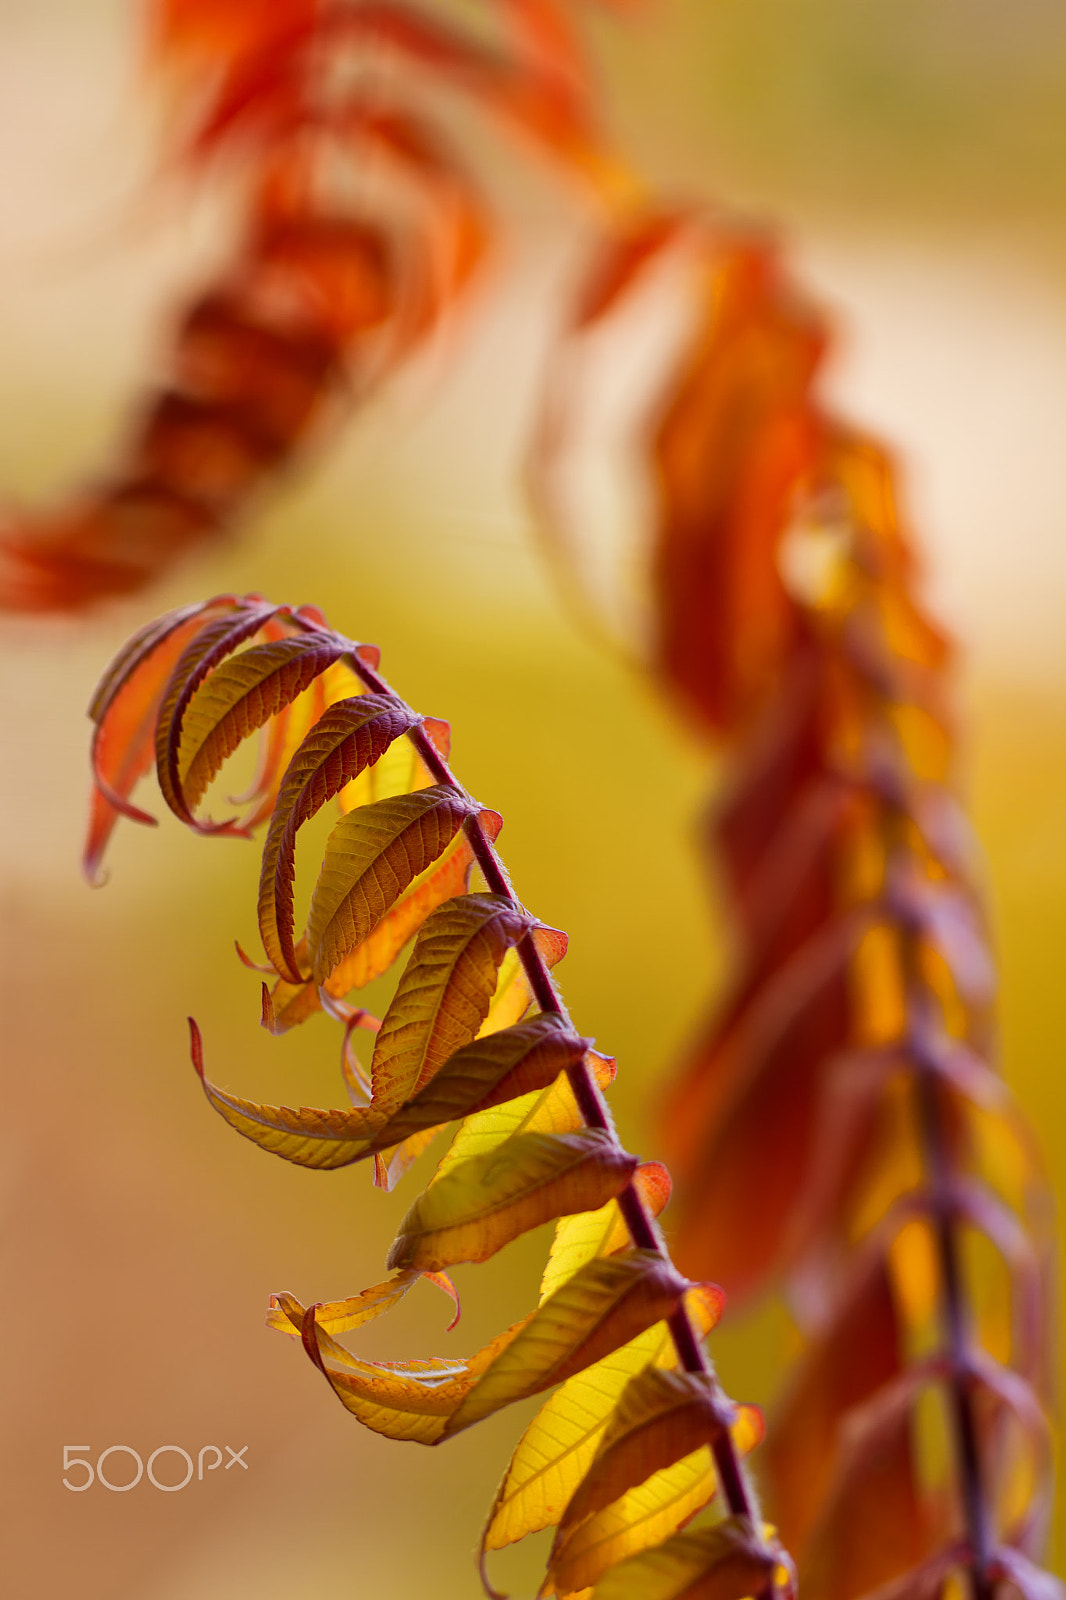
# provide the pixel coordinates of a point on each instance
(487, 1201)
(589, 1234)
(348, 738)
(124, 708)
(305, 1135)
(659, 1418)
(557, 1448)
(240, 696)
(444, 879)
(726, 1562)
(646, 1514)
(606, 1303)
(372, 856)
(493, 1070)
(444, 992)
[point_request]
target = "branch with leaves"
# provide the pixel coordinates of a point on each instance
(363, 233)
(898, 1195)
(637, 1436)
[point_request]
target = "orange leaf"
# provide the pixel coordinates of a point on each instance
(124, 708)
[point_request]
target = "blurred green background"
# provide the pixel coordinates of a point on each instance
(914, 153)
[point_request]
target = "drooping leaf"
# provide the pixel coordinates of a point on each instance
(342, 1316)
(606, 1303)
(554, 1453)
(427, 1400)
(726, 1562)
(550, 1110)
(659, 1418)
(646, 1514)
(307, 1136)
(124, 708)
(485, 1202)
(491, 1071)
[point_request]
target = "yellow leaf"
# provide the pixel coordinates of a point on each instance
(550, 1110)
(720, 1563)
(489, 1200)
(372, 856)
(443, 993)
(597, 1233)
(408, 1400)
(605, 1304)
(651, 1473)
(519, 1062)
(305, 1135)
(399, 771)
(644, 1517)
(341, 1316)
(442, 880)
(513, 993)
(556, 1449)
(659, 1418)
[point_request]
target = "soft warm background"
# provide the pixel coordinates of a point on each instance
(915, 151)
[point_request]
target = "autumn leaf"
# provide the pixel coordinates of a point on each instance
(558, 1447)
(484, 1203)
(372, 856)
(444, 993)
(345, 740)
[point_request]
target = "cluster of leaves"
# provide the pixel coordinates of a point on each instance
(363, 229)
(839, 1126)
(637, 1436)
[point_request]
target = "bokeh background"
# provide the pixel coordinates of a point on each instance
(913, 151)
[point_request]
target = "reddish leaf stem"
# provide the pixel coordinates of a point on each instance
(737, 1491)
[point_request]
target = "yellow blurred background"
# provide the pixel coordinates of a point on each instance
(913, 149)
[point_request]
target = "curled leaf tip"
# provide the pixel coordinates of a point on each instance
(483, 1574)
(245, 959)
(309, 1337)
(196, 1047)
(444, 1282)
